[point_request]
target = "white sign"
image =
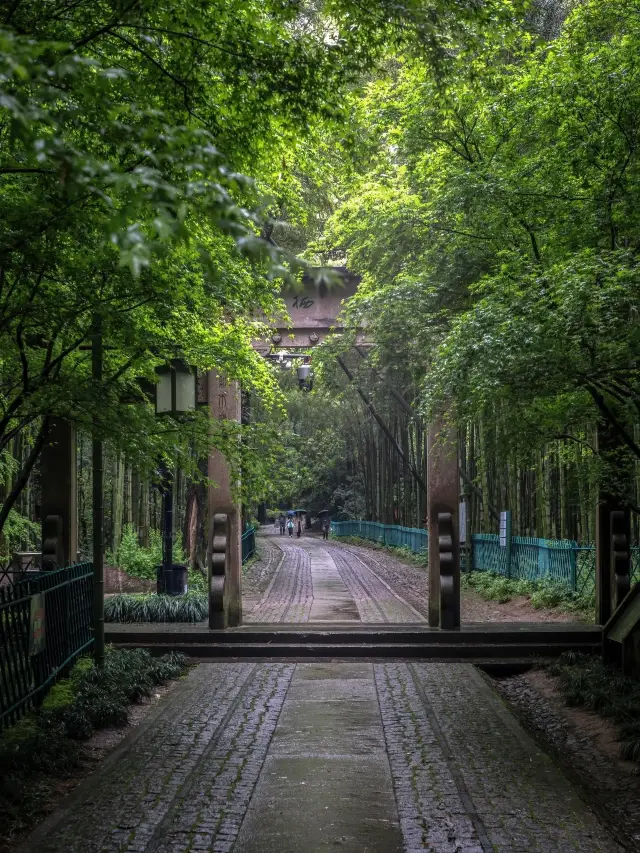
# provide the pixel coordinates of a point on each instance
(504, 516)
(462, 521)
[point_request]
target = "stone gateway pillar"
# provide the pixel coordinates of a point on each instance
(444, 549)
(224, 550)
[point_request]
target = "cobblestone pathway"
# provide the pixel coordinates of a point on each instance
(289, 596)
(321, 582)
(316, 757)
(357, 757)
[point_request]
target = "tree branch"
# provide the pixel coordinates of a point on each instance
(613, 420)
(25, 472)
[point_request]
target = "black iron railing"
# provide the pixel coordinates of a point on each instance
(46, 622)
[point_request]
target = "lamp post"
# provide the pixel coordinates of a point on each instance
(176, 394)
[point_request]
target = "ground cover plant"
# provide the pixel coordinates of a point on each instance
(127, 607)
(43, 749)
(546, 593)
(587, 682)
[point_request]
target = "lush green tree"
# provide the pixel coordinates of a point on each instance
(143, 148)
(497, 229)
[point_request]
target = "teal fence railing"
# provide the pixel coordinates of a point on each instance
(387, 534)
(46, 623)
(248, 544)
(535, 559)
(532, 559)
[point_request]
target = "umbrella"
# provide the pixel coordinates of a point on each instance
(324, 512)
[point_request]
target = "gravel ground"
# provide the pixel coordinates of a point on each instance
(583, 744)
(257, 576)
(413, 584)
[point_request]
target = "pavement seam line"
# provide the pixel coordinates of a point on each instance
(184, 790)
(421, 618)
(266, 753)
(386, 744)
(456, 775)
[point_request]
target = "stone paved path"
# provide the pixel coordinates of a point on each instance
(319, 582)
(316, 757)
(356, 757)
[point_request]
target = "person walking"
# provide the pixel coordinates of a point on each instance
(299, 530)
(281, 521)
(290, 526)
(326, 527)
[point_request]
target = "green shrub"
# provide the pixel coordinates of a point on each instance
(545, 593)
(141, 607)
(42, 748)
(141, 562)
(197, 581)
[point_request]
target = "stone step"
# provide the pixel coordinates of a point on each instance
(495, 636)
(425, 651)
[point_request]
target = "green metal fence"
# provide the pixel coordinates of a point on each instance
(534, 559)
(387, 534)
(248, 544)
(46, 622)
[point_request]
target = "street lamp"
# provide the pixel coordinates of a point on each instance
(305, 377)
(176, 389)
(176, 394)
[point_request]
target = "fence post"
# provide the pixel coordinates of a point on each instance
(573, 567)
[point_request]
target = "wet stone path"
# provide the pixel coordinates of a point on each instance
(317, 581)
(350, 756)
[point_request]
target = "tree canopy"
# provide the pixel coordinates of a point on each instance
(496, 225)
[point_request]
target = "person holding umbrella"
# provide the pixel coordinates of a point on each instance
(326, 523)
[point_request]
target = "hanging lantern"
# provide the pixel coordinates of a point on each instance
(305, 378)
(176, 388)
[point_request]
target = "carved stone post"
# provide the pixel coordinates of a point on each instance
(225, 546)
(58, 467)
(444, 549)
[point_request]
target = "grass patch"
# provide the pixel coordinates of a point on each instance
(43, 749)
(142, 607)
(541, 594)
(586, 682)
(402, 553)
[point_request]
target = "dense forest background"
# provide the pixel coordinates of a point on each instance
(492, 213)
(169, 170)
